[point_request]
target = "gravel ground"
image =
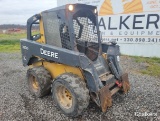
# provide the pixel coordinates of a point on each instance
(17, 104)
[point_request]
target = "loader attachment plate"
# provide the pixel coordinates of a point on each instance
(125, 83)
(105, 98)
(106, 94)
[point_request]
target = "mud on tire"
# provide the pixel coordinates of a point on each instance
(39, 81)
(75, 90)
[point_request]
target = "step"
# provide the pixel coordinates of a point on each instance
(113, 91)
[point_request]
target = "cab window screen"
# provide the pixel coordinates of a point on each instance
(51, 27)
(85, 30)
(85, 26)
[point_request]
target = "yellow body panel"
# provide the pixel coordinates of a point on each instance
(36, 64)
(41, 28)
(56, 69)
(104, 55)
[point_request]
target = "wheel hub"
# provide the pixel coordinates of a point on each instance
(35, 83)
(64, 97)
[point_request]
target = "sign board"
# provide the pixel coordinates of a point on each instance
(128, 21)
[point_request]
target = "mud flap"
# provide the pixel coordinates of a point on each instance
(105, 98)
(125, 83)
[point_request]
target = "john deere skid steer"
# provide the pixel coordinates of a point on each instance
(68, 59)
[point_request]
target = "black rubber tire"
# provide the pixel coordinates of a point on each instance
(77, 88)
(43, 79)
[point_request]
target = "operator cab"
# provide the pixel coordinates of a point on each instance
(73, 27)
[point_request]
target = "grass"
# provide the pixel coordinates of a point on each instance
(9, 46)
(147, 59)
(14, 36)
(153, 65)
(11, 42)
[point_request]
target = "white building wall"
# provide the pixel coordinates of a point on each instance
(145, 50)
(134, 24)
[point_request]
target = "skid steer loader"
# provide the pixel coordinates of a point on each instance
(68, 59)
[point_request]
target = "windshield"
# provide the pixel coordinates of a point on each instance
(85, 30)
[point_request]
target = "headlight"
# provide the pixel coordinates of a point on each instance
(71, 7)
(118, 59)
(95, 10)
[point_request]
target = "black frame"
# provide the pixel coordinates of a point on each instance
(32, 20)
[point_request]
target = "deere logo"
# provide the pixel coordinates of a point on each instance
(110, 7)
